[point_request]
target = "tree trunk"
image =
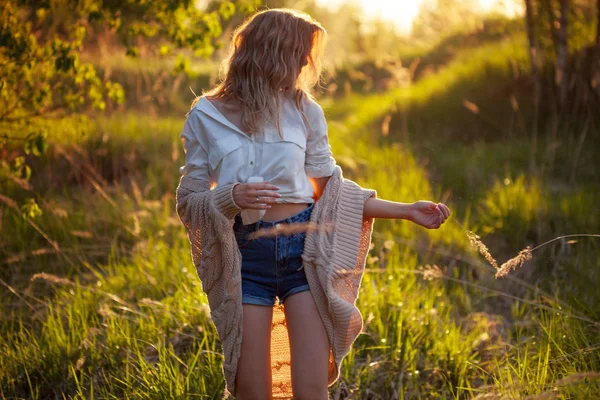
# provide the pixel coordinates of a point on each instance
(533, 46)
(562, 54)
(535, 74)
(545, 6)
(598, 25)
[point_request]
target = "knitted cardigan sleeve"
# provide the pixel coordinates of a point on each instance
(335, 255)
(208, 219)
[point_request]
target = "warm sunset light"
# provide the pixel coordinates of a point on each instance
(403, 12)
(191, 207)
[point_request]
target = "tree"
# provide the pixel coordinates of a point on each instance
(534, 50)
(558, 25)
(532, 39)
(598, 24)
(41, 73)
(562, 54)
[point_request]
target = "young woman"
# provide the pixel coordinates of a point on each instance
(260, 121)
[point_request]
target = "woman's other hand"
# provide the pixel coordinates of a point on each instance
(257, 196)
(429, 214)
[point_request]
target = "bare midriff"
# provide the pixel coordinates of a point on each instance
(281, 211)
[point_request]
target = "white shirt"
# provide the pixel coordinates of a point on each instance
(218, 151)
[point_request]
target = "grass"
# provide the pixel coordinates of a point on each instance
(135, 325)
(114, 309)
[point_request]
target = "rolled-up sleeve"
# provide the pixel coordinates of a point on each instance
(319, 161)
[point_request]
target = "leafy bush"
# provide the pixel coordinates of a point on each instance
(511, 208)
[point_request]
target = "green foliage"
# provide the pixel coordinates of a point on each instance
(114, 309)
(130, 320)
(34, 143)
(43, 77)
(30, 209)
(143, 333)
(580, 22)
(511, 207)
(573, 207)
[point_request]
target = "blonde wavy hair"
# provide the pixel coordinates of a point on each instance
(275, 51)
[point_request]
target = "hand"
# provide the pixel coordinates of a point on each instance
(429, 214)
(257, 196)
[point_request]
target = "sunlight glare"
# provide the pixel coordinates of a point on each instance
(403, 12)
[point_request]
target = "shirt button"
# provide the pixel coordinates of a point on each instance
(251, 162)
(277, 226)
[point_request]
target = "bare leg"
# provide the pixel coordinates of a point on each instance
(253, 378)
(309, 347)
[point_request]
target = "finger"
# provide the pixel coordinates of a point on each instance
(445, 209)
(258, 206)
(433, 224)
(442, 215)
(442, 211)
(439, 212)
(263, 186)
(264, 193)
(267, 200)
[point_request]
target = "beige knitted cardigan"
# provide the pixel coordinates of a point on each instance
(334, 261)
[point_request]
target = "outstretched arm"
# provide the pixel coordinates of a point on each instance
(320, 163)
(425, 213)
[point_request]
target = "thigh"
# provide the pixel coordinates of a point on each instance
(309, 347)
(253, 378)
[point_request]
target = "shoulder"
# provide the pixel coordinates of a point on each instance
(311, 105)
(201, 107)
(197, 104)
(195, 119)
(312, 109)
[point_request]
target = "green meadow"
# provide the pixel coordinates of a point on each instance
(99, 298)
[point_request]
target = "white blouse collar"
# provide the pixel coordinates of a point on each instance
(207, 107)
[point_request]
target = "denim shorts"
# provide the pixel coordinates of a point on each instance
(271, 265)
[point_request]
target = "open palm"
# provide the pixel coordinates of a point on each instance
(429, 214)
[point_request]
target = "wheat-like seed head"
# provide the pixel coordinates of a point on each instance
(477, 243)
(287, 229)
(431, 272)
(52, 278)
(515, 262)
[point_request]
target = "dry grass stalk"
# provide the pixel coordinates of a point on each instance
(515, 262)
(137, 193)
(285, 229)
(477, 243)
(431, 272)
(15, 258)
(578, 377)
(82, 234)
(22, 183)
(385, 125)
(9, 202)
(43, 250)
(52, 278)
(60, 212)
(471, 106)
